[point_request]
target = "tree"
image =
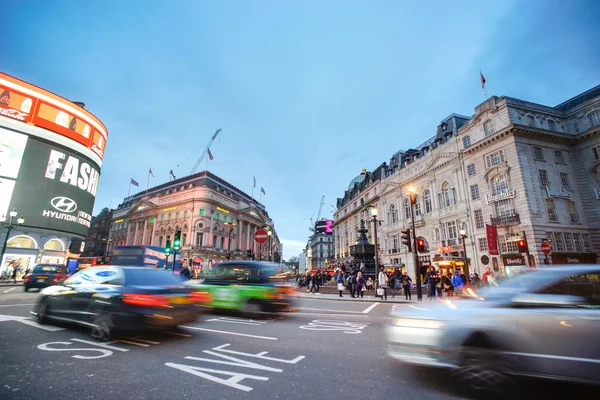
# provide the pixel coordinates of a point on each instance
(293, 262)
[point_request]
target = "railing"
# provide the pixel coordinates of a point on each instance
(506, 220)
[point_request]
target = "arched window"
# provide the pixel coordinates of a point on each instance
(437, 234)
(500, 184)
(23, 242)
(393, 217)
(417, 205)
(594, 118)
(55, 245)
(488, 127)
(427, 201)
(447, 194)
(406, 208)
(467, 141)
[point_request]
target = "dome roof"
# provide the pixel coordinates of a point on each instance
(359, 179)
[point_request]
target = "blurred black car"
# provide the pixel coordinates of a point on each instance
(44, 275)
(109, 299)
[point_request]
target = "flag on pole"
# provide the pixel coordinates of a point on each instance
(262, 191)
(482, 80)
(254, 181)
(210, 155)
(150, 172)
(134, 183)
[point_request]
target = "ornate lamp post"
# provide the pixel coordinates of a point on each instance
(463, 235)
(9, 226)
(269, 233)
(413, 201)
(230, 226)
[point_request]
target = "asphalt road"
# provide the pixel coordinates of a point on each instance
(324, 350)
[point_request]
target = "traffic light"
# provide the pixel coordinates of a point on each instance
(522, 246)
(406, 238)
(168, 246)
(249, 253)
(177, 241)
(420, 245)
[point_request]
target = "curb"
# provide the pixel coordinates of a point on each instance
(351, 300)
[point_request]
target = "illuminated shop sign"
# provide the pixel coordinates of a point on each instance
(508, 194)
(169, 209)
(223, 210)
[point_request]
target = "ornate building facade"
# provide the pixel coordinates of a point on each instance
(527, 170)
(216, 219)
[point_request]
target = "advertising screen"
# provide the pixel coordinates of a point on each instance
(51, 186)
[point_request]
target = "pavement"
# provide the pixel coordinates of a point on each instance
(323, 350)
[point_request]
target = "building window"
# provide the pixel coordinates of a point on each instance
(573, 216)
(594, 118)
(552, 125)
(395, 243)
(406, 208)
(169, 216)
(417, 205)
(177, 215)
(185, 213)
(451, 233)
(466, 141)
(201, 211)
(587, 245)
(437, 234)
(160, 241)
(214, 241)
(183, 239)
(559, 157)
(488, 127)
(479, 219)
(217, 216)
(393, 218)
(559, 241)
(569, 241)
(471, 169)
(538, 154)
(494, 158)
(577, 241)
(504, 208)
(483, 244)
(551, 211)
(543, 175)
(447, 194)
(223, 242)
(530, 120)
(564, 181)
(427, 201)
(508, 243)
(499, 184)
(596, 153)
(199, 238)
(475, 192)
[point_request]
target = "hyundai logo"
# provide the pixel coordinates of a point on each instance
(64, 204)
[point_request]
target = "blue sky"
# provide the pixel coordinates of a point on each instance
(306, 93)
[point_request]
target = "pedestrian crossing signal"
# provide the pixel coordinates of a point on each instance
(177, 240)
(421, 245)
(522, 244)
(168, 246)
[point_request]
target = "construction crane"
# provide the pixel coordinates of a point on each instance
(204, 152)
(312, 224)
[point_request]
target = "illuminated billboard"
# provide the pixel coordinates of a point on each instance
(324, 226)
(51, 152)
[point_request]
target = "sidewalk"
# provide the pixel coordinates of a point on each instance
(335, 297)
(11, 284)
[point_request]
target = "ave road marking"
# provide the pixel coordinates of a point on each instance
(228, 333)
(331, 325)
(234, 377)
(30, 322)
(237, 321)
(372, 306)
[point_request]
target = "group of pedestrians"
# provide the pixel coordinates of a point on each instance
(454, 283)
(311, 281)
(356, 283)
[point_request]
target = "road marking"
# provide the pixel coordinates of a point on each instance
(372, 306)
(16, 305)
(143, 340)
(237, 321)
(418, 308)
(48, 328)
(9, 290)
(103, 345)
(334, 315)
(330, 325)
(176, 333)
(229, 333)
(130, 342)
(103, 353)
(324, 309)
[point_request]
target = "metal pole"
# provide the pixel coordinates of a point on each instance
(174, 258)
(528, 262)
(464, 240)
(260, 252)
(8, 229)
(375, 240)
(229, 243)
(415, 254)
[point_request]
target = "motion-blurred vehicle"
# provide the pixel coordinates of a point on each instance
(249, 286)
(542, 324)
(44, 275)
(110, 299)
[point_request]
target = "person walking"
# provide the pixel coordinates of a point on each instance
(458, 282)
(431, 279)
(340, 282)
(185, 273)
(361, 285)
(383, 282)
(405, 282)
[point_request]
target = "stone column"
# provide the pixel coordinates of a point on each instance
(145, 232)
(210, 233)
(128, 238)
(247, 243)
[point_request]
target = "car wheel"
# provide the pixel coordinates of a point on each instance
(484, 370)
(103, 327)
(42, 312)
(253, 307)
(25, 288)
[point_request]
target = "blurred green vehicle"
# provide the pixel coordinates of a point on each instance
(249, 286)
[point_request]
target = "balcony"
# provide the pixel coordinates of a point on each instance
(506, 220)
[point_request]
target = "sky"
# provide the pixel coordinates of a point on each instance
(307, 93)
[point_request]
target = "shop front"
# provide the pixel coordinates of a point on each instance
(449, 264)
(573, 258)
(514, 264)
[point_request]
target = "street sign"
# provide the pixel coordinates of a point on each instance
(261, 236)
(546, 248)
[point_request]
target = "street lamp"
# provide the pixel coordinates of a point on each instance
(229, 226)
(463, 235)
(374, 213)
(413, 200)
(9, 226)
(269, 233)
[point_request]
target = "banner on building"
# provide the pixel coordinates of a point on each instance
(491, 233)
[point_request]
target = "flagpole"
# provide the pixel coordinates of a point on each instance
(129, 191)
(148, 183)
(207, 162)
(482, 83)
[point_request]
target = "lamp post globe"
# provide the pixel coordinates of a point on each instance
(9, 226)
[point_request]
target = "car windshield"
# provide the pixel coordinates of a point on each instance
(521, 283)
(150, 277)
(46, 269)
(234, 273)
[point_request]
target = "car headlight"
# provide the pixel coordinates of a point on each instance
(418, 323)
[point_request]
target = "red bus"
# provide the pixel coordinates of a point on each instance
(84, 262)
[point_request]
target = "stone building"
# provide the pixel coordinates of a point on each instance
(97, 238)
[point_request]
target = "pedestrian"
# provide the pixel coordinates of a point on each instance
(340, 282)
(383, 284)
(458, 282)
(360, 285)
(351, 282)
(314, 283)
(406, 283)
(369, 283)
(431, 279)
(14, 273)
(392, 284)
(486, 275)
(185, 273)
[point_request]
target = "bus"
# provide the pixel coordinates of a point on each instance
(77, 264)
(144, 256)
